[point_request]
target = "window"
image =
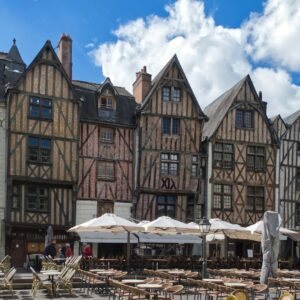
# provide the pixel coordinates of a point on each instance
(176, 94)
(244, 118)
(106, 169)
(223, 155)
(166, 125)
(298, 148)
(173, 123)
(255, 199)
(297, 214)
(222, 198)
(39, 150)
(255, 158)
(176, 126)
(106, 135)
(106, 102)
(194, 170)
(298, 179)
(190, 209)
(37, 199)
(169, 164)
(40, 108)
(166, 206)
(166, 94)
(16, 197)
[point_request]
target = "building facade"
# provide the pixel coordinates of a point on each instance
(288, 131)
(11, 67)
(106, 150)
(169, 131)
(242, 151)
(42, 153)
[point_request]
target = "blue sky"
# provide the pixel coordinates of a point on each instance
(99, 30)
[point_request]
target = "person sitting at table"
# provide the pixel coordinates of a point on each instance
(50, 249)
(69, 251)
(86, 250)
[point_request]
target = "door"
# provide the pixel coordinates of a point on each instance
(17, 253)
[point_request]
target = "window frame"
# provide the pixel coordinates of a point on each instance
(39, 197)
(244, 111)
(171, 126)
(298, 149)
(223, 152)
(195, 163)
(255, 156)
(39, 149)
(222, 194)
(297, 180)
(166, 205)
(176, 100)
(106, 98)
(106, 141)
(16, 195)
(297, 214)
(166, 99)
(168, 162)
(255, 197)
(40, 107)
(106, 177)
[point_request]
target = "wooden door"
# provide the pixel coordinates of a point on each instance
(17, 252)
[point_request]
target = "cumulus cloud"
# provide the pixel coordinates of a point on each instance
(275, 35)
(213, 57)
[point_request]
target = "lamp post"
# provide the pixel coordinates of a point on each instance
(204, 226)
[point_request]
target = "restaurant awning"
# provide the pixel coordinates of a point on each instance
(106, 237)
(168, 239)
(121, 238)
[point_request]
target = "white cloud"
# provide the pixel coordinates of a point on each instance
(214, 58)
(89, 45)
(275, 34)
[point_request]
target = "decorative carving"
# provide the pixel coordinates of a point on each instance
(168, 183)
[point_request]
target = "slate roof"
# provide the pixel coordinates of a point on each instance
(217, 110)
(292, 118)
(124, 114)
(14, 54)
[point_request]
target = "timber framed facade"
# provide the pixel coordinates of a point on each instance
(288, 131)
(242, 153)
(106, 150)
(42, 155)
(168, 161)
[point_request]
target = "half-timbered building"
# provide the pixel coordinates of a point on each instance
(11, 67)
(242, 147)
(106, 150)
(288, 131)
(168, 135)
(42, 152)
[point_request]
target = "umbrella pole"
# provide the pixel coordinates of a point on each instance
(128, 251)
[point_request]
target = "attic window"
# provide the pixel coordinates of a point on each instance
(106, 102)
(244, 118)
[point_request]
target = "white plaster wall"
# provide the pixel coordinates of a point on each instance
(85, 210)
(123, 209)
(2, 177)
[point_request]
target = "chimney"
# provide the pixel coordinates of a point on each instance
(142, 85)
(65, 53)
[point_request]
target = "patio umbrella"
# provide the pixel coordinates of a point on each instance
(49, 236)
(109, 223)
(270, 245)
(167, 225)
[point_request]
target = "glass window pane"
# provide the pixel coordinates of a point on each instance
(46, 103)
(46, 113)
(194, 158)
(170, 199)
(45, 143)
(227, 189)
(164, 168)
(33, 141)
(248, 119)
(173, 168)
(218, 147)
(35, 100)
(239, 118)
(217, 202)
(217, 188)
(176, 126)
(166, 125)
(33, 154)
(166, 94)
(194, 170)
(227, 202)
(34, 111)
(227, 147)
(174, 157)
(164, 156)
(176, 94)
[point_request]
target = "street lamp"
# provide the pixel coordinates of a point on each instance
(204, 226)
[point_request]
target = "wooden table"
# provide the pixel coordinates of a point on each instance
(149, 286)
(178, 273)
(106, 273)
(97, 270)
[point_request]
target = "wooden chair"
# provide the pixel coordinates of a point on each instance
(241, 294)
(286, 296)
(38, 283)
(171, 292)
(65, 282)
(7, 281)
(259, 291)
(5, 264)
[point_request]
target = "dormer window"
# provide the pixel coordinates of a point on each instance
(106, 102)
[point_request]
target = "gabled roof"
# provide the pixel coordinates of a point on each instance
(39, 56)
(14, 54)
(289, 120)
(217, 110)
(160, 76)
(123, 115)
